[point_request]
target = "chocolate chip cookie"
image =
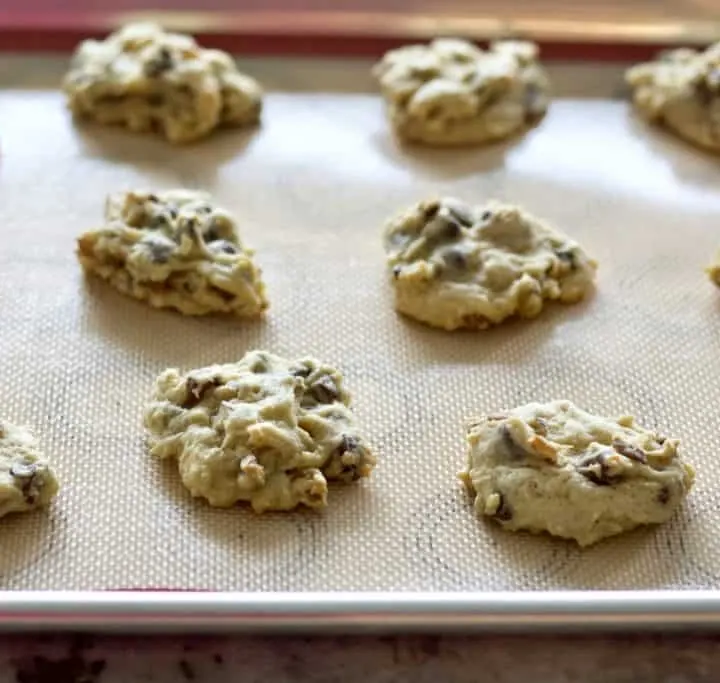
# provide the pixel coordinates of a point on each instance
(681, 91)
(453, 265)
(174, 249)
(146, 79)
(26, 480)
(265, 430)
(556, 468)
(451, 92)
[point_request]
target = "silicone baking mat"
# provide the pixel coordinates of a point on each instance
(312, 188)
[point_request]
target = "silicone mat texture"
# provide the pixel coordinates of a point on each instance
(312, 188)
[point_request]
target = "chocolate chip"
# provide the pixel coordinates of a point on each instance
(486, 216)
(211, 235)
(396, 271)
(663, 496)
(196, 390)
(159, 220)
(504, 511)
(159, 64)
(704, 93)
(160, 252)
(153, 198)
(348, 443)
(349, 471)
(629, 451)
(455, 259)
(300, 371)
(224, 246)
(441, 229)
(597, 470)
(535, 104)
(30, 476)
(513, 450)
(259, 364)
(567, 256)
(324, 390)
(430, 210)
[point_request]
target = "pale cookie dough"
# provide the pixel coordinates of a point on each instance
(26, 480)
(451, 92)
(681, 90)
(265, 430)
(174, 249)
(713, 270)
(148, 80)
(457, 266)
(553, 467)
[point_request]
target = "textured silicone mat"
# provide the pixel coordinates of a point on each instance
(312, 189)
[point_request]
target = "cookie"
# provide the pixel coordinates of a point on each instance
(265, 430)
(174, 249)
(681, 91)
(556, 468)
(451, 92)
(713, 270)
(455, 266)
(148, 80)
(26, 480)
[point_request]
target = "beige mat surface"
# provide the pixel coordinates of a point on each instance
(312, 189)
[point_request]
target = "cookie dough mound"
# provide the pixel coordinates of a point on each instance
(681, 90)
(26, 480)
(265, 430)
(457, 266)
(174, 249)
(451, 92)
(713, 270)
(553, 467)
(148, 80)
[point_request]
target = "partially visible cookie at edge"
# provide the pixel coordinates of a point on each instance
(150, 80)
(713, 270)
(265, 430)
(174, 249)
(457, 266)
(681, 91)
(451, 92)
(26, 480)
(556, 468)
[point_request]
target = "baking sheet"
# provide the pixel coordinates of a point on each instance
(312, 188)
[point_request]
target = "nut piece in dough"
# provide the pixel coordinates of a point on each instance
(451, 92)
(174, 249)
(148, 80)
(713, 270)
(457, 266)
(26, 480)
(553, 467)
(265, 430)
(681, 90)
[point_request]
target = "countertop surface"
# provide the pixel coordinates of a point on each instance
(501, 659)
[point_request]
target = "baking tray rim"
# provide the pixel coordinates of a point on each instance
(341, 612)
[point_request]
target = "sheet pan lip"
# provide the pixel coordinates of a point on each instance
(407, 611)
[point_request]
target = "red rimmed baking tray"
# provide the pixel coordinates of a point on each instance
(618, 29)
(312, 187)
